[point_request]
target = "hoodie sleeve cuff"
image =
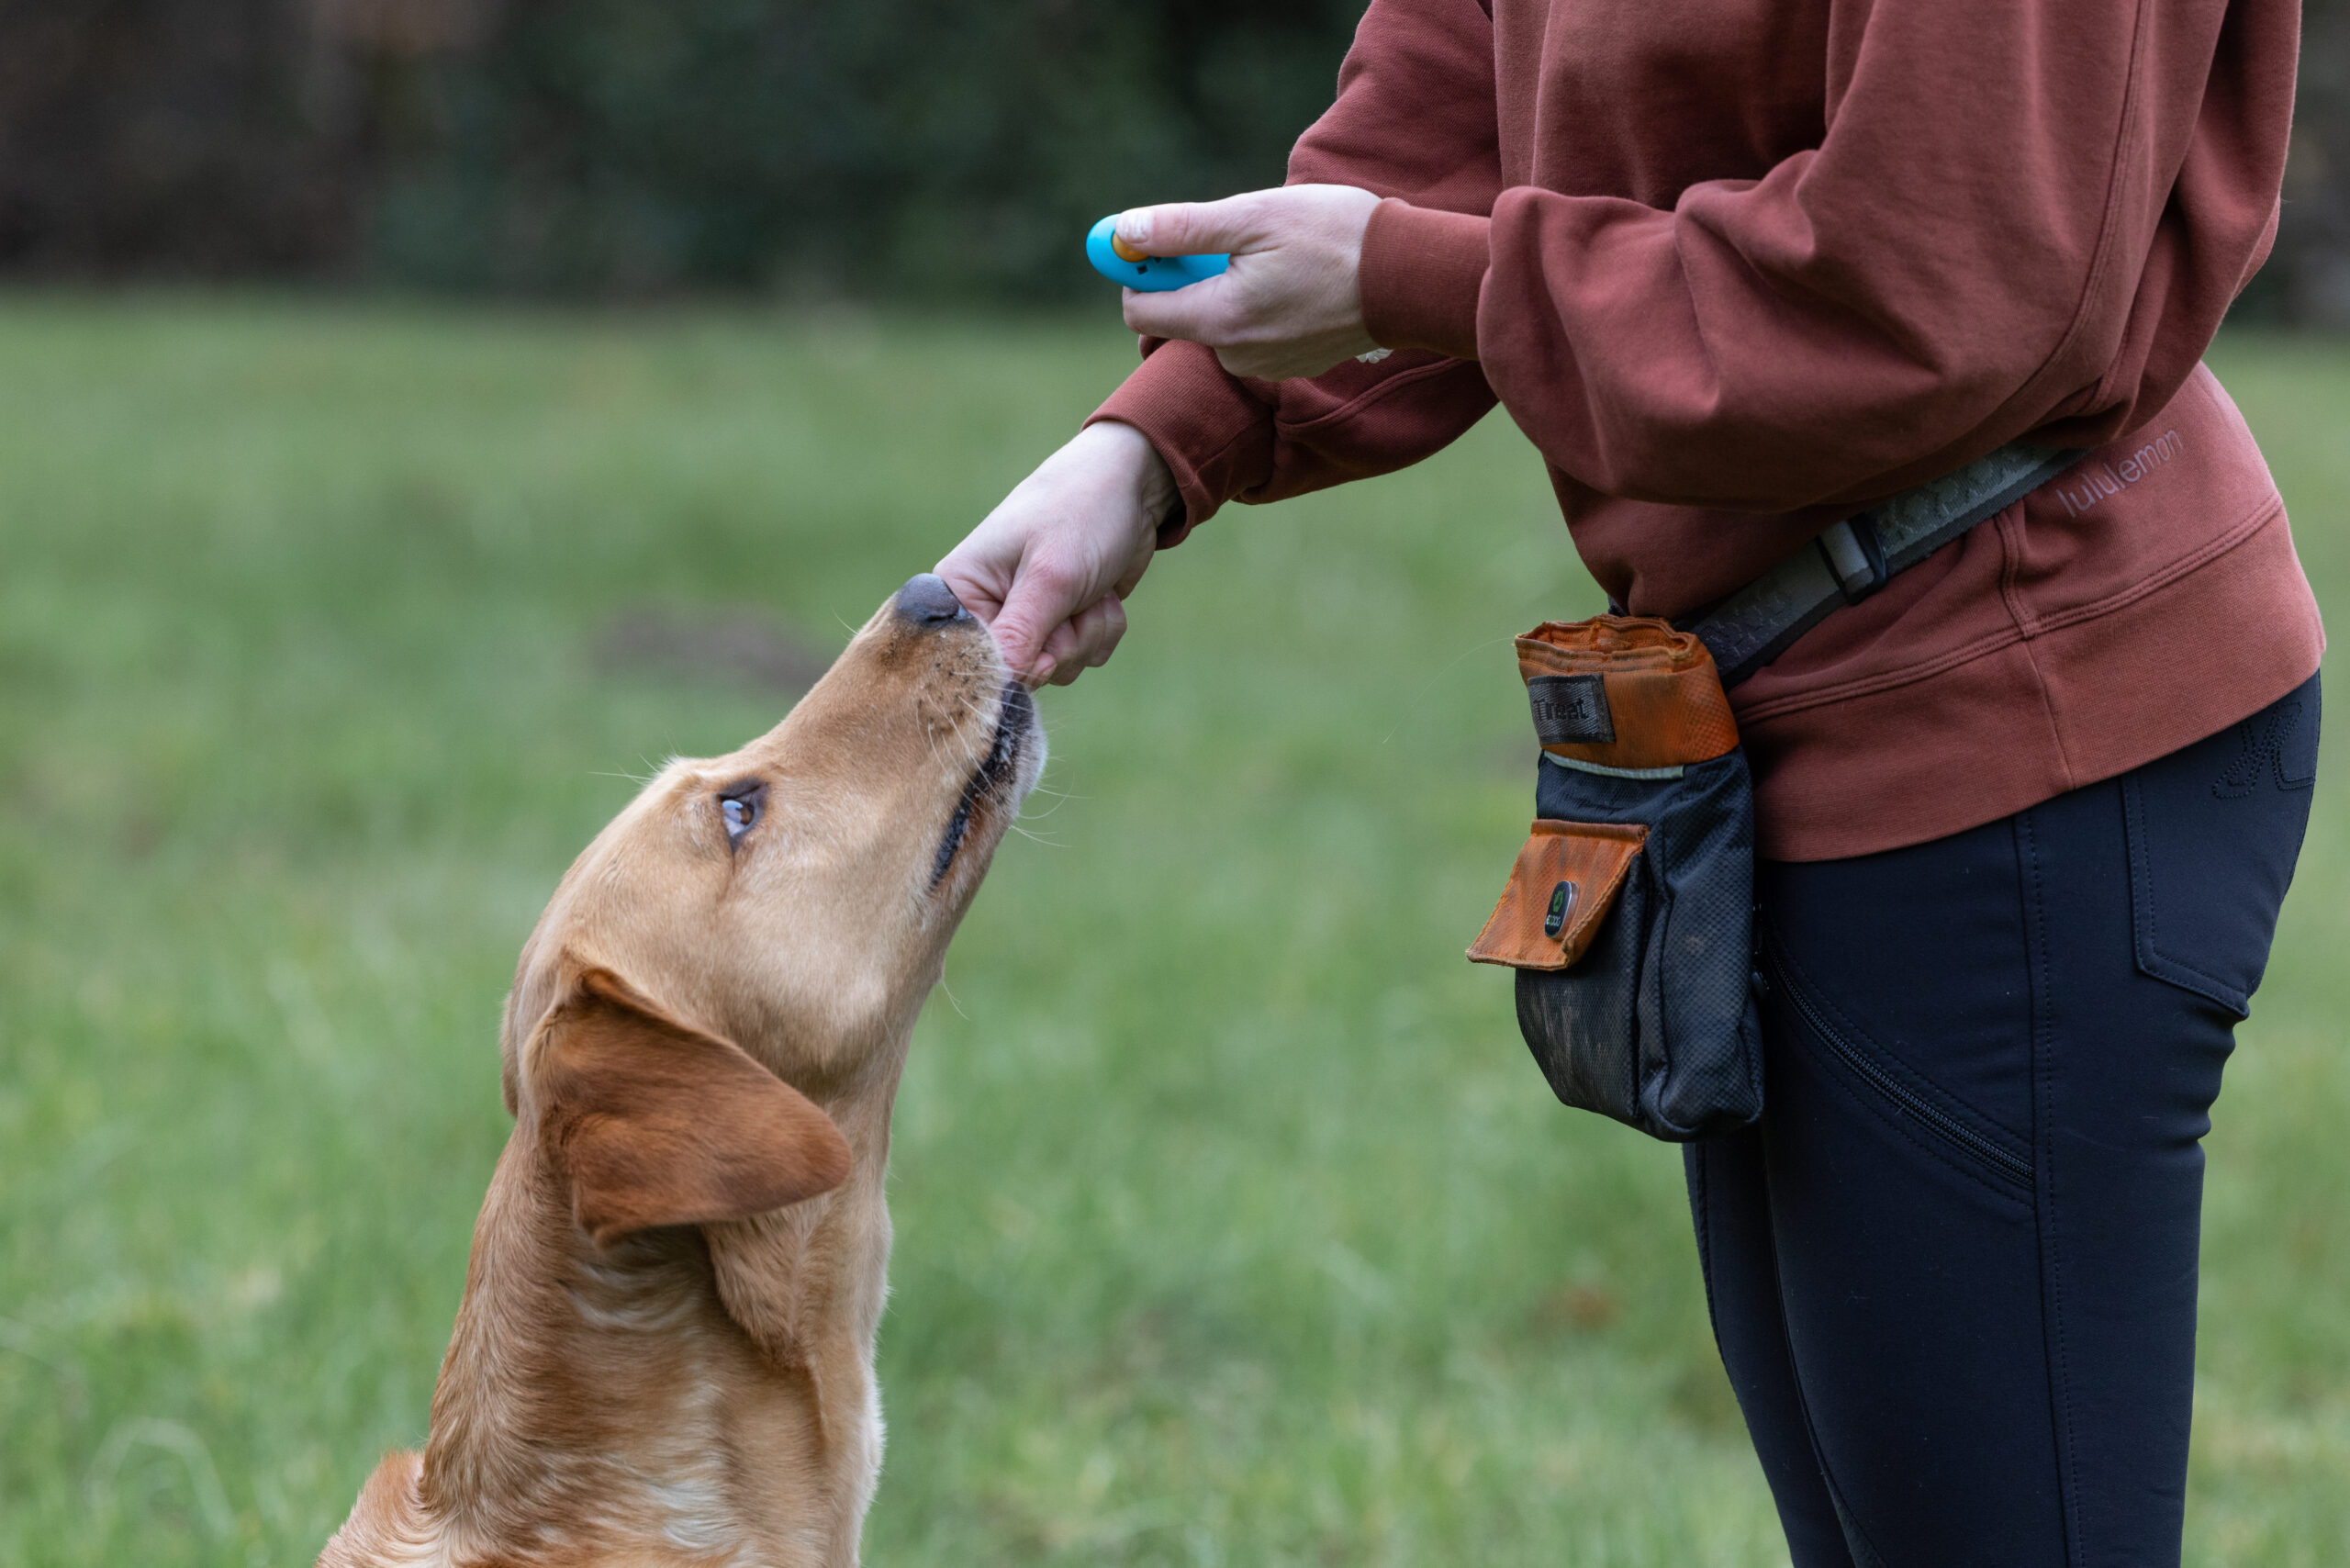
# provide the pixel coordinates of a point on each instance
(1215, 436)
(1422, 271)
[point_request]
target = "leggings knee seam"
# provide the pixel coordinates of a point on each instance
(2043, 1116)
(1701, 1192)
(1856, 1540)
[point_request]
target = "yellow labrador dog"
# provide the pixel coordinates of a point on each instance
(665, 1349)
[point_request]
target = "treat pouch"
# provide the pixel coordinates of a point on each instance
(1565, 882)
(1629, 913)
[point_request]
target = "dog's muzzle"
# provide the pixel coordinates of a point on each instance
(990, 783)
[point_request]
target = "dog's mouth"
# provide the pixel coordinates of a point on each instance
(994, 784)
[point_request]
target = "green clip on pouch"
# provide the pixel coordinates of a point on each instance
(1628, 915)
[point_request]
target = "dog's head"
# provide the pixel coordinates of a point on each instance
(767, 919)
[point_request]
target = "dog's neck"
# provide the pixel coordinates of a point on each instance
(681, 1394)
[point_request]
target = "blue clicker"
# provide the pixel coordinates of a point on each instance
(1151, 274)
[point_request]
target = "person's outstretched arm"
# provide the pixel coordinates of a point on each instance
(1414, 118)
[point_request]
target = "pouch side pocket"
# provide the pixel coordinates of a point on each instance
(1564, 885)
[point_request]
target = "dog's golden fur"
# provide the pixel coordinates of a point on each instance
(665, 1352)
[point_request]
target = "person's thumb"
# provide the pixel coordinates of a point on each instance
(1186, 228)
(1041, 598)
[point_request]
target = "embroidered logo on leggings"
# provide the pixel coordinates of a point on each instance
(2274, 746)
(1570, 709)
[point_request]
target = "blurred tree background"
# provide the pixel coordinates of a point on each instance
(873, 147)
(2309, 280)
(628, 147)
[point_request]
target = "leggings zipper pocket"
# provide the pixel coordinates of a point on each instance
(1942, 1125)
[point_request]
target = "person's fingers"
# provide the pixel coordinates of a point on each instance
(1192, 227)
(1099, 629)
(1052, 667)
(1203, 312)
(1289, 304)
(1068, 649)
(1045, 598)
(1085, 642)
(1031, 614)
(1114, 616)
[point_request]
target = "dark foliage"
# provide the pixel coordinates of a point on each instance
(630, 146)
(947, 147)
(164, 135)
(2310, 278)
(905, 145)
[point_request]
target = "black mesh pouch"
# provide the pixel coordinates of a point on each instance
(1628, 916)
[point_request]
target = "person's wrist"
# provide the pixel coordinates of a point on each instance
(1152, 482)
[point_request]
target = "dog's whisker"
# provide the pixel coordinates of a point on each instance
(930, 739)
(952, 999)
(972, 707)
(930, 735)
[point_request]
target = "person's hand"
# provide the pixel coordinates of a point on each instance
(1289, 304)
(1049, 568)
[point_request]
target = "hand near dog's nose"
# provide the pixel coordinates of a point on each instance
(1047, 570)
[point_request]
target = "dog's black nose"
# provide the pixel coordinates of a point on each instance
(926, 601)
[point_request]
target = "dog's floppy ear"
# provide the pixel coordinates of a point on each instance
(655, 1122)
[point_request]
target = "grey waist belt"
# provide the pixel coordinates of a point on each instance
(1859, 555)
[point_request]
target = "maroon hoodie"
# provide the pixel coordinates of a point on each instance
(1740, 267)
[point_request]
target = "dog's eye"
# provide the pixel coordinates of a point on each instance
(739, 806)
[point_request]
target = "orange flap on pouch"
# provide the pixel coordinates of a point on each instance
(1625, 692)
(1561, 888)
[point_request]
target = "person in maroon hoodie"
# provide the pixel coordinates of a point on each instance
(2026, 816)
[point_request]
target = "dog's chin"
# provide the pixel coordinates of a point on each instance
(993, 792)
(1016, 717)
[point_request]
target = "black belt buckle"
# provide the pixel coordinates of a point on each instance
(1856, 556)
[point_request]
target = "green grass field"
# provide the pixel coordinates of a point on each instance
(1235, 1226)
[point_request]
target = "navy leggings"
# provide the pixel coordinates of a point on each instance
(1952, 1270)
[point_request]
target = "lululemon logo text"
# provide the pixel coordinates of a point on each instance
(2086, 485)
